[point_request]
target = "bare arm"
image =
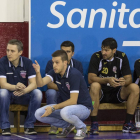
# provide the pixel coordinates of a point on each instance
(94, 78)
(23, 89)
(32, 85)
(52, 86)
(126, 80)
(71, 101)
(114, 82)
(39, 80)
(5, 85)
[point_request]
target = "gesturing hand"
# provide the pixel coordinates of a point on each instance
(47, 112)
(36, 66)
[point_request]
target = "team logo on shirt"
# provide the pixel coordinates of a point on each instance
(114, 69)
(98, 55)
(23, 74)
(123, 54)
(68, 85)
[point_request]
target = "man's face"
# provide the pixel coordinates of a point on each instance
(107, 53)
(12, 52)
(69, 52)
(59, 65)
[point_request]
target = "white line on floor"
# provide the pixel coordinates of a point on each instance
(21, 137)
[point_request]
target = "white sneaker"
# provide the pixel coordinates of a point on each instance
(81, 133)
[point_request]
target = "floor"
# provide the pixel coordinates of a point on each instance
(101, 136)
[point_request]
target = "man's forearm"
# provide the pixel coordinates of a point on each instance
(30, 87)
(8, 86)
(64, 104)
(39, 80)
(99, 80)
(52, 86)
(128, 81)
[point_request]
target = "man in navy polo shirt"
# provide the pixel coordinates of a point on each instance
(15, 73)
(52, 94)
(76, 102)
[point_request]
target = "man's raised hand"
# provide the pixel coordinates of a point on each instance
(36, 66)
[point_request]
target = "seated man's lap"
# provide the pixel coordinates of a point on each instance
(112, 96)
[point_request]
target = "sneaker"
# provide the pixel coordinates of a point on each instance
(30, 131)
(81, 133)
(6, 132)
(130, 127)
(53, 130)
(66, 131)
(94, 128)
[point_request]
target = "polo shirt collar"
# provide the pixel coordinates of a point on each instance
(66, 74)
(71, 63)
(110, 60)
(20, 62)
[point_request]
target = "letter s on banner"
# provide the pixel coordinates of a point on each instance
(57, 14)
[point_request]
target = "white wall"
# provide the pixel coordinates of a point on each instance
(14, 10)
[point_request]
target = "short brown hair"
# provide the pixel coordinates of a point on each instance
(18, 43)
(62, 54)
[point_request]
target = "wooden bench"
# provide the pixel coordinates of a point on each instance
(17, 108)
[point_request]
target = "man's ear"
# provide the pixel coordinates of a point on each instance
(65, 62)
(20, 52)
(72, 54)
(114, 50)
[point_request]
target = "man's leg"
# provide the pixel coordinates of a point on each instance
(5, 97)
(72, 114)
(131, 93)
(95, 93)
(54, 119)
(52, 97)
(33, 100)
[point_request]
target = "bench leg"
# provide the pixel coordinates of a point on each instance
(17, 120)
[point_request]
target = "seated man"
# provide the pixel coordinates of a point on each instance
(52, 94)
(15, 73)
(76, 102)
(110, 81)
(136, 74)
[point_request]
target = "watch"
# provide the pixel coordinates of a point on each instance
(53, 109)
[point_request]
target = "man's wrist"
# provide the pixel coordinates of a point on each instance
(15, 87)
(53, 109)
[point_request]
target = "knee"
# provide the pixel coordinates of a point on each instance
(50, 93)
(4, 93)
(37, 94)
(65, 113)
(95, 88)
(134, 88)
(38, 114)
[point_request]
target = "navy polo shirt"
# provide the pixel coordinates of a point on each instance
(73, 63)
(72, 82)
(21, 73)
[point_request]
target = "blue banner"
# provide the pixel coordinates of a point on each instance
(86, 23)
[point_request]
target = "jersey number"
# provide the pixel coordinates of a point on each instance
(105, 70)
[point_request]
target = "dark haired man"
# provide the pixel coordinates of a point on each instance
(52, 94)
(73, 92)
(15, 73)
(110, 81)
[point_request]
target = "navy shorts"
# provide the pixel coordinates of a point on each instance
(112, 96)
